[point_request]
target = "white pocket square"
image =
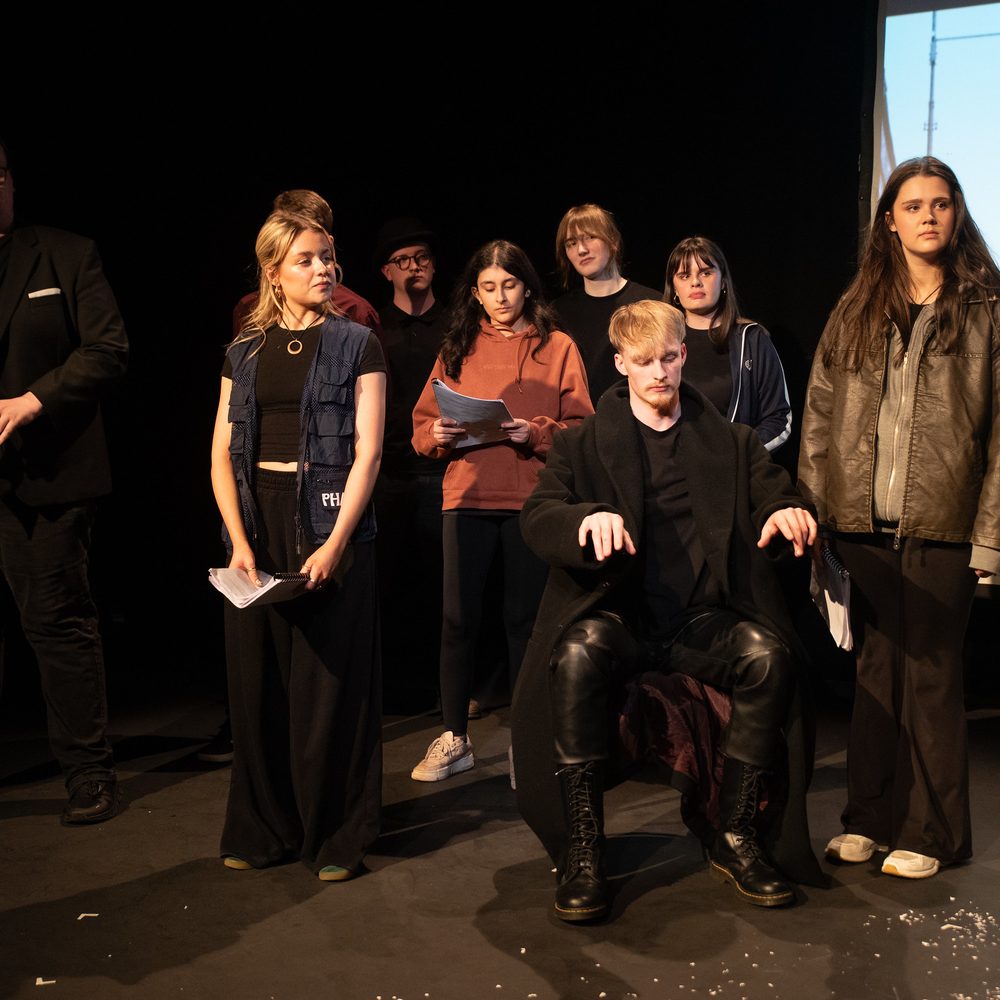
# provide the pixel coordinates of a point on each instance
(43, 292)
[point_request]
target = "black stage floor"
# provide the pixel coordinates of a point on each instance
(457, 905)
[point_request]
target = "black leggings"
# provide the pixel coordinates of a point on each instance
(470, 543)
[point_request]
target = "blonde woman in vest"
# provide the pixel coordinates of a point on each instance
(296, 450)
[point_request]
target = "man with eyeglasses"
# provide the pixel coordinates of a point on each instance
(408, 497)
(62, 343)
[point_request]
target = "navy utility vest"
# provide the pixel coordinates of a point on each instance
(326, 432)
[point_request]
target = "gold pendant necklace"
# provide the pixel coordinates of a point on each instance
(294, 345)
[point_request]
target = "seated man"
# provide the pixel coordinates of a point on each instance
(654, 515)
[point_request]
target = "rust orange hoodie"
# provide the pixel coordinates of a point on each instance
(549, 391)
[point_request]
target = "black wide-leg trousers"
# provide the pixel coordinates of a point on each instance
(907, 758)
(305, 698)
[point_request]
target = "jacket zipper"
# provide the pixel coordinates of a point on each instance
(922, 344)
(895, 439)
(922, 347)
(874, 441)
(739, 373)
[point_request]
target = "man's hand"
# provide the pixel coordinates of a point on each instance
(794, 523)
(17, 411)
(608, 534)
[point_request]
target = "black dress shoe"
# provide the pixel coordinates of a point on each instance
(92, 801)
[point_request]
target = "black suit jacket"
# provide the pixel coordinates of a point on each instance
(62, 338)
(734, 487)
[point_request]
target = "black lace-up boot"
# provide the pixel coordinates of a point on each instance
(582, 893)
(737, 856)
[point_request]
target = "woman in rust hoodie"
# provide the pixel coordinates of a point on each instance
(501, 343)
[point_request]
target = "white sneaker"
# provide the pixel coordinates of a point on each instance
(448, 754)
(907, 864)
(852, 847)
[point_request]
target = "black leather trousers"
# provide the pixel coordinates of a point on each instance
(718, 648)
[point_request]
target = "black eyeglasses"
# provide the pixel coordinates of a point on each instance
(403, 261)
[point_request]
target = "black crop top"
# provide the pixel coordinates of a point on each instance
(280, 379)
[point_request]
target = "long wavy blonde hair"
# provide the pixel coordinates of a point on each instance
(274, 241)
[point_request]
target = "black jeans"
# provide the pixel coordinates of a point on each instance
(43, 554)
(717, 647)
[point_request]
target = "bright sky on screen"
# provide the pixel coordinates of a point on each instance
(966, 132)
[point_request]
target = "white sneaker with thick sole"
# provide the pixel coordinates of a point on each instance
(447, 755)
(908, 864)
(852, 847)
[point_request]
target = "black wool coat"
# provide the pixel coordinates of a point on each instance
(734, 488)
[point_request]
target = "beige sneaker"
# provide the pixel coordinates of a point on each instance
(852, 847)
(908, 864)
(448, 754)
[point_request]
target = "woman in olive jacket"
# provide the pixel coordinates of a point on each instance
(901, 455)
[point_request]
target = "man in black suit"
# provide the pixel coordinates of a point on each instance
(62, 342)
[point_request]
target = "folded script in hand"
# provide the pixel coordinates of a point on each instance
(830, 587)
(235, 585)
(481, 418)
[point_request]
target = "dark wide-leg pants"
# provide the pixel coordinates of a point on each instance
(718, 647)
(907, 759)
(44, 558)
(305, 697)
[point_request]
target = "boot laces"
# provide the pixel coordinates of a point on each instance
(584, 829)
(745, 839)
(742, 823)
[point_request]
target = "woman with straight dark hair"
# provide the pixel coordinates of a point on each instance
(501, 343)
(730, 359)
(297, 445)
(901, 455)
